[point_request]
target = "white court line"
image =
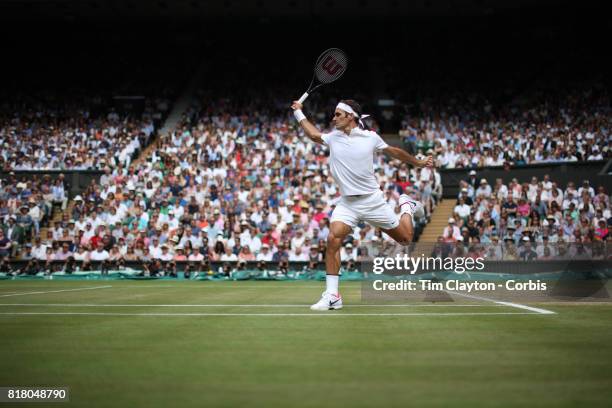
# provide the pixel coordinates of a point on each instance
(230, 305)
(510, 304)
(228, 285)
(334, 314)
(56, 291)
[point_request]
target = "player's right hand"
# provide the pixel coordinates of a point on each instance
(296, 105)
(428, 162)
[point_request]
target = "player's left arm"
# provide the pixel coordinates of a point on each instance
(405, 157)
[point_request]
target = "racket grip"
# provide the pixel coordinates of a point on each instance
(303, 97)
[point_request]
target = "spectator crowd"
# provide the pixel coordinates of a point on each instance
(74, 134)
(469, 131)
(221, 187)
(538, 219)
(227, 187)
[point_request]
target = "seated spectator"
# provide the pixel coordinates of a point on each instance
(5, 245)
(451, 233)
(462, 209)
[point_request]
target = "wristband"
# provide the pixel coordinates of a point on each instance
(299, 115)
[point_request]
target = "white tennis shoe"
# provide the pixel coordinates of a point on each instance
(416, 208)
(328, 301)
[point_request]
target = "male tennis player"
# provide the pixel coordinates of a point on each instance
(351, 162)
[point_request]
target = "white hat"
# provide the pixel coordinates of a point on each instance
(451, 220)
(483, 181)
(473, 173)
(526, 239)
(78, 198)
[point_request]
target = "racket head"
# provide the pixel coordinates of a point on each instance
(330, 65)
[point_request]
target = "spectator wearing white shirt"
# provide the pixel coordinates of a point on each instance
(265, 254)
(39, 250)
(484, 190)
(452, 230)
(586, 187)
(36, 215)
(298, 240)
(165, 255)
(298, 255)
(82, 254)
(228, 255)
(100, 254)
(501, 188)
(155, 250)
(462, 209)
(348, 253)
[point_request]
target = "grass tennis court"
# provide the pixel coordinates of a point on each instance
(164, 343)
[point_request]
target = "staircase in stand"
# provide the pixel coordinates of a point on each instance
(439, 220)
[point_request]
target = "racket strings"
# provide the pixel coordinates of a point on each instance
(331, 65)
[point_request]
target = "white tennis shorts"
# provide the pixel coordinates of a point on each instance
(371, 208)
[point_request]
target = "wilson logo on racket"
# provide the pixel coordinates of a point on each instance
(330, 65)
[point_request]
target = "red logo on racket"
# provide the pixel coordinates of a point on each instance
(331, 65)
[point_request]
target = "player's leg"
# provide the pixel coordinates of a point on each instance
(404, 232)
(409, 210)
(337, 233)
(331, 298)
(342, 221)
(383, 216)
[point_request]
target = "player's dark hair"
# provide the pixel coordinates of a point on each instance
(357, 108)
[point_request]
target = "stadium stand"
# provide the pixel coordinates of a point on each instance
(220, 187)
(538, 216)
(549, 124)
(76, 133)
(232, 179)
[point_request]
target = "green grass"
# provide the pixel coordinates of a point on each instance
(307, 361)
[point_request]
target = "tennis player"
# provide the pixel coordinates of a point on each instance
(351, 162)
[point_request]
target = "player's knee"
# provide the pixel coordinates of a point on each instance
(405, 238)
(333, 242)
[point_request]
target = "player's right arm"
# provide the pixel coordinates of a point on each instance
(311, 131)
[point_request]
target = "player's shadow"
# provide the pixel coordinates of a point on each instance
(581, 280)
(435, 296)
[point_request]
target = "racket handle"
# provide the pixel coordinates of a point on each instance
(303, 97)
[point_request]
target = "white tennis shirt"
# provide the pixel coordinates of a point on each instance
(351, 159)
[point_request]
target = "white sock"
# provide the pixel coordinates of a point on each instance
(331, 282)
(405, 208)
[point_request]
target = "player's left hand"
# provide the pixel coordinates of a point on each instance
(427, 162)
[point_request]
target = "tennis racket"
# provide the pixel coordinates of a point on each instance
(330, 66)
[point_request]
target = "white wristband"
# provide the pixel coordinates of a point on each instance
(299, 115)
